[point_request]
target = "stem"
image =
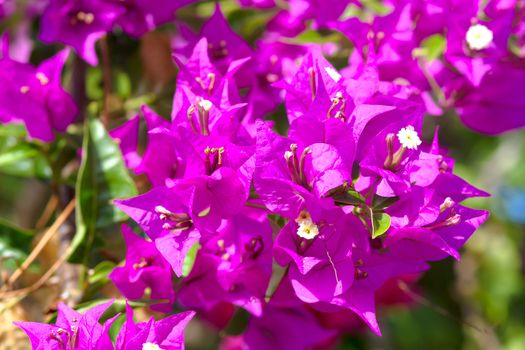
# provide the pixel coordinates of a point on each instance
(25, 291)
(50, 208)
(42, 243)
(106, 76)
(79, 87)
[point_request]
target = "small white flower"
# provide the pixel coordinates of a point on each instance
(150, 346)
(408, 137)
(307, 229)
(42, 78)
(333, 73)
(479, 37)
(205, 105)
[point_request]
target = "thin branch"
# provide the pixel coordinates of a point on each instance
(42, 243)
(440, 310)
(48, 211)
(38, 284)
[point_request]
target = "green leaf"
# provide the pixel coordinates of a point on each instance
(380, 224)
(383, 202)
(122, 84)
(15, 242)
(100, 272)
(102, 178)
(19, 157)
(376, 6)
(205, 212)
(189, 259)
(350, 197)
(431, 48)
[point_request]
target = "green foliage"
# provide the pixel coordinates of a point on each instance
(14, 244)
(431, 48)
(189, 259)
(380, 224)
(102, 178)
(19, 157)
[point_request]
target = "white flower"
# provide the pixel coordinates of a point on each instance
(333, 73)
(150, 346)
(205, 105)
(479, 37)
(307, 229)
(408, 137)
(42, 78)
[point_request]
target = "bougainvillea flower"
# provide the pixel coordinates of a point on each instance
(318, 246)
(78, 24)
(127, 137)
(7, 7)
(164, 215)
(301, 167)
(232, 266)
(443, 237)
(200, 80)
(301, 90)
(372, 270)
(141, 16)
(499, 94)
(160, 160)
(284, 318)
(144, 268)
(294, 323)
(167, 333)
(35, 96)
(72, 330)
(224, 45)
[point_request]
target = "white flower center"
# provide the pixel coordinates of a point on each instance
(333, 73)
(150, 346)
(205, 105)
(42, 78)
(479, 37)
(307, 229)
(408, 137)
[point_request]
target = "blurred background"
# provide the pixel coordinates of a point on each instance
(476, 303)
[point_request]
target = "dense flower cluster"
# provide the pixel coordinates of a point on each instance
(74, 330)
(347, 200)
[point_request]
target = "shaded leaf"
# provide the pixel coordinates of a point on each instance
(15, 242)
(102, 178)
(349, 197)
(100, 272)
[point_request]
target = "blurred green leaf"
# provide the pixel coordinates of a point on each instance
(431, 48)
(102, 177)
(94, 87)
(189, 259)
(122, 84)
(100, 272)
(376, 6)
(15, 242)
(19, 157)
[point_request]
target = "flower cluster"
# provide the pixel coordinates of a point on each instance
(354, 196)
(348, 200)
(74, 330)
